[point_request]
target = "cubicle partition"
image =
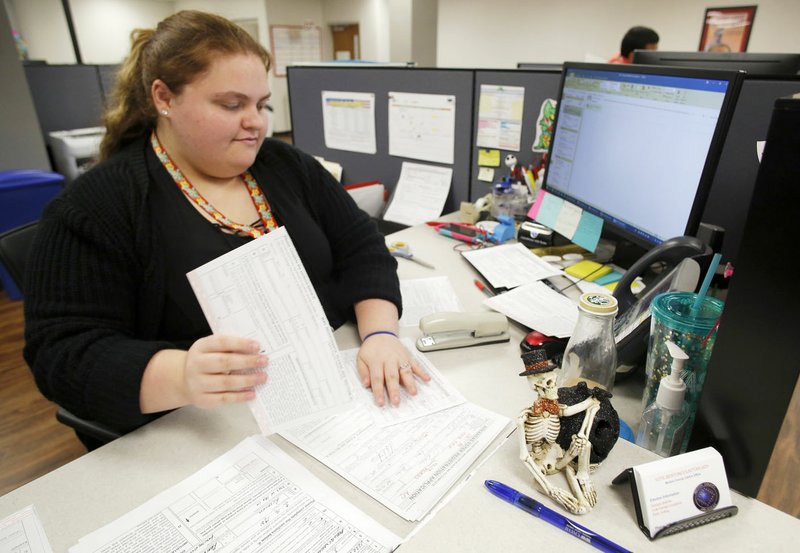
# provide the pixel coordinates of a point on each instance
(732, 188)
(306, 85)
(66, 97)
(539, 85)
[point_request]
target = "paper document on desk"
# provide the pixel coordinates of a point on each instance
(420, 193)
(22, 532)
(539, 307)
(510, 265)
(261, 291)
(435, 395)
(408, 467)
(423, 296)
(254, 498)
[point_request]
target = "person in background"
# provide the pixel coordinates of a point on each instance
(113, 330)
(637, 38)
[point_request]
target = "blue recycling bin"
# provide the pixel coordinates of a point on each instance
(23, 195)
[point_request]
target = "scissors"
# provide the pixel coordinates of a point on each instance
(402, 249)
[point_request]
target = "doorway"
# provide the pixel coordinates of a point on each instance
(345, 42)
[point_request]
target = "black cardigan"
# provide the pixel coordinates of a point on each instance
(95, 284)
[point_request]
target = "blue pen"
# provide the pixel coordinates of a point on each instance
(533, 507)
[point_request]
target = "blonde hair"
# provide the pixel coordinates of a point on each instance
(179, 49)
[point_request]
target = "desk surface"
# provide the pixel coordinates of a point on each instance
(95, 489)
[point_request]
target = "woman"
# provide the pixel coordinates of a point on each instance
(113, 330)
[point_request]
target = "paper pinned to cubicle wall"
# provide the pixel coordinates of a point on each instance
(422, 126)
(500, 117)
(348, 121)
(420, 193)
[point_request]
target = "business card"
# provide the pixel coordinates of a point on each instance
(680, 487)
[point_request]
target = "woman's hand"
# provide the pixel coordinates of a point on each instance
(209, 374)
(213, 370)
(384, 363)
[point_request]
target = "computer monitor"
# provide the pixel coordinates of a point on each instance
(637, 146)
(756, 64)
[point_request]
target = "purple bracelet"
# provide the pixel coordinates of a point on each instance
(364, 339)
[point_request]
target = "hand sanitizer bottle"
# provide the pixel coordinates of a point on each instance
(663, 423)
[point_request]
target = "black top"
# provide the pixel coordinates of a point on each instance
(106, 288)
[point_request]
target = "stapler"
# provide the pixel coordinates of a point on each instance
(449, 330)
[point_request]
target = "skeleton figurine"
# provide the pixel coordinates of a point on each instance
(546, 448)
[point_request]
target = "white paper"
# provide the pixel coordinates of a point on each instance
(435, 395)
(408, 467)
(369, 198)
(420, 193)
(539, 307)
(423, 296)
(22, 532)
(568, 220)
(500, 117)
(486, 174)
(254, 498)
(422, 126)
(261, 291)
(510, 265)
(348, 120)
(760, 149)
(332, 167)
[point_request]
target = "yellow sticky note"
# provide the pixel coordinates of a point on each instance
(489, 158)
(587, 270)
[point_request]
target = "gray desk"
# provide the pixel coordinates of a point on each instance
(105, 484)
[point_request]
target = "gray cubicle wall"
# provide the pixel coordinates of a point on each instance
(65, 96)
(539, 84)
(732, 188)
(306, 85)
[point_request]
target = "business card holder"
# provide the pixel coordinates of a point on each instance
(675, 527)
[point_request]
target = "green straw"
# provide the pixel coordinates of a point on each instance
(712, 269)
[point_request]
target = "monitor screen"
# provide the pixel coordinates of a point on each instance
(753, 63)
(637, 146)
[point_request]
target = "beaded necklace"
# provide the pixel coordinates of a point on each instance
(257, 197)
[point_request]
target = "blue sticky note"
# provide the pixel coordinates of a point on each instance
(548, 212)
(613, 276)
(588, 233)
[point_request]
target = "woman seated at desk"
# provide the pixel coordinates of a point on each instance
(113, 330)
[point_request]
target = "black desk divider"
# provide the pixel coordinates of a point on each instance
(306, 84)
(539, 84)
(675, 527)
(66, 97)
(732, 187)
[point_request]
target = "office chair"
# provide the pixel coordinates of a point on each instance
(14, 247)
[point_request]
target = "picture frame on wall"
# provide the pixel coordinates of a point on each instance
(727, 29)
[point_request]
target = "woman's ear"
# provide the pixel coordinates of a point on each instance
(162, 95)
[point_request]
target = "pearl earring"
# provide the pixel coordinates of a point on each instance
(164, 112)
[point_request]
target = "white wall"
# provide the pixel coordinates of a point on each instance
(43, 26)
(104, 27)
(400, 33)
(544, 31)
(423, 24)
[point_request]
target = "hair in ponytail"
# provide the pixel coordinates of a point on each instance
(179, 49)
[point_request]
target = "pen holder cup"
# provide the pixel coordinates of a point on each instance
(673, 319)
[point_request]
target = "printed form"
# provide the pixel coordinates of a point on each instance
(348, 121)
(254, 498)
(261, 291)
(422, 126)
(420, 193)
(408, 466)
(510, 265)
(22, 532)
